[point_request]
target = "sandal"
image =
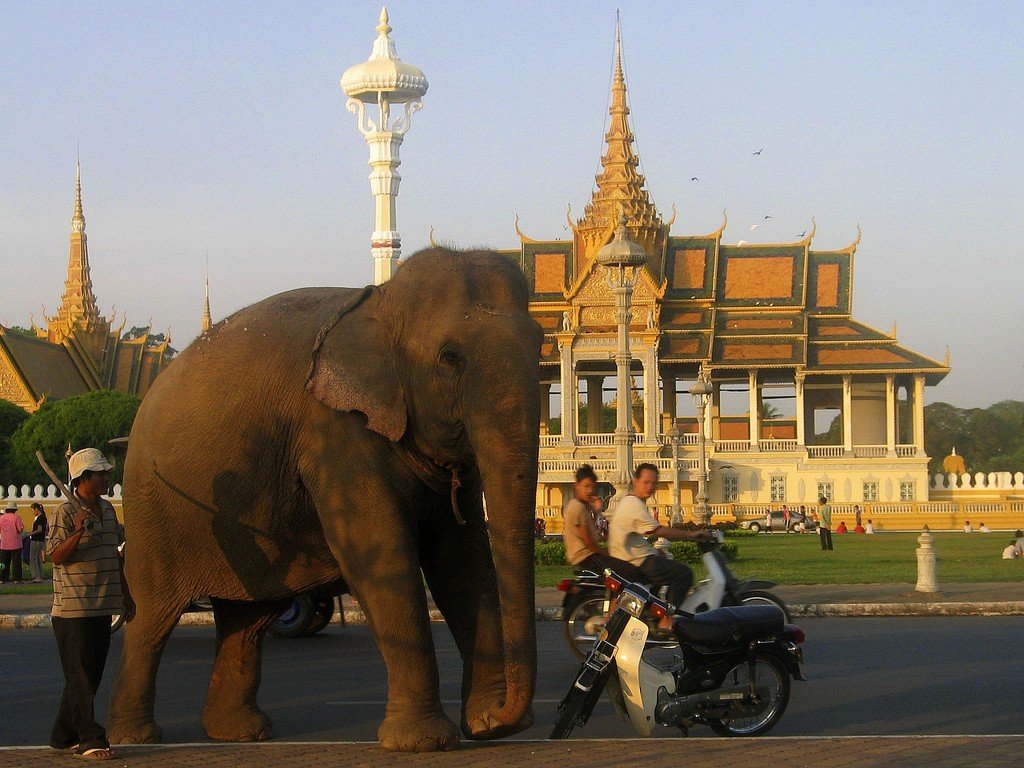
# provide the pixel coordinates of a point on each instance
(97, 753)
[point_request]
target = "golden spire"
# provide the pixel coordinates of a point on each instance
(620, 185)
(78, 304)
(207, 319)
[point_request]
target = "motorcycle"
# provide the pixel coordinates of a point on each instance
(586, 602)
(733, 675)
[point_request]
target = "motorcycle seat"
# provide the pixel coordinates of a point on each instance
(728, 627)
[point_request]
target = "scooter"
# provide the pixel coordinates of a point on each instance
(586, 602)
(733, 676)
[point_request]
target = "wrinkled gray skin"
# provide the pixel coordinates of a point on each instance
(303, 440)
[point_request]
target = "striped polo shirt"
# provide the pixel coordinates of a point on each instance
(88, 583)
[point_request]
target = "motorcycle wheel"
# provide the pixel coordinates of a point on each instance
(324, 613)
(296, 619)
(763, 597)
(577, 706)
(577, 635)
(772, 687)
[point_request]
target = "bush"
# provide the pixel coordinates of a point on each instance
(688, 552)
(549, 553)
(83, 421)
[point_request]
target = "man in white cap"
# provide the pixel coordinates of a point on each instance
(88, 588)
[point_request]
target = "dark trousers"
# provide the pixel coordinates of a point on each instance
(599, 562)
(826, 537)
(82, 645)
(6, 556)
(660, 571)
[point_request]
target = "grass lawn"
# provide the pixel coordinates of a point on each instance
(884, 558)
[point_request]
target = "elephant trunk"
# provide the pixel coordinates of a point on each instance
(508, 469)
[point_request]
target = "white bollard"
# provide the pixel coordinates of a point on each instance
(926, 578)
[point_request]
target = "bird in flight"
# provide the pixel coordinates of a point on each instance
(694, 179)
(804, 233)
(767, 217)
(759, 151)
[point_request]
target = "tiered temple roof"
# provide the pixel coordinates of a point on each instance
(79, 350)
(780, 305)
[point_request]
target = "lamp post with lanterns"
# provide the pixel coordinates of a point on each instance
(622, 259)
(701, 392)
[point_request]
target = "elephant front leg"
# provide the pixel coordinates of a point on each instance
(460, 572)
(231, 713)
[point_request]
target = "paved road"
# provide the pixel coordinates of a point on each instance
(892, 676)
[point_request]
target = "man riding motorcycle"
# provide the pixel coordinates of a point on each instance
(629, 538)
(579, 531)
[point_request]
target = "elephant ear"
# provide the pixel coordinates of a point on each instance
(354, 367)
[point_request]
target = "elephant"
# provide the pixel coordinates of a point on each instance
(337, 433)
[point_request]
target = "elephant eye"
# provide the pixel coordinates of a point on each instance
(451, 359)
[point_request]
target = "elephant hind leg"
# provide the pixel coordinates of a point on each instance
(130, 720)
(231, 713)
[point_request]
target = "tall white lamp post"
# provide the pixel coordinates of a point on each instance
(384, 80)
(622, 259)
(673, 435)
(701, 392)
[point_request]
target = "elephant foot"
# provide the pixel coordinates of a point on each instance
(487, 725)
(246, 724)
(418, 733)
(134, 732)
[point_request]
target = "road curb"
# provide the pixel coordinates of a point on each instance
(796, 610)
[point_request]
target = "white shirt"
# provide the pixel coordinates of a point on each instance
(1010, 552)
(631, 523)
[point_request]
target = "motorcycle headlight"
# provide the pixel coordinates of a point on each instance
(631, 604)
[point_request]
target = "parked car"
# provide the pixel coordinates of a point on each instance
(773, 522)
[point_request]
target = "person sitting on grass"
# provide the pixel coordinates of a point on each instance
(858, 528)
(968, 528)
(1018, 540)
(1010, 553)
(984, 528)
(841, 528)
(871, 527)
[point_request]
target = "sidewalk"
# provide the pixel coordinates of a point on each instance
(832, 600)
(849, 752)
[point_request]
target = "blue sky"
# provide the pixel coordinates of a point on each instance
(218, 130)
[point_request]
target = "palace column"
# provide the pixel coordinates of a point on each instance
(568, 391)
(801, 416)
(545, 406)
(848, 414)
(755, 409)
(890, 416)
(595, 403)
(651, 420)
(919, 414)
(668, 401)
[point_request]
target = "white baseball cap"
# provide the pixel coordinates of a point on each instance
(87, 460)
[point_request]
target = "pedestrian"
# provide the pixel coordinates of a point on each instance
(580, 534)
(785, 518)
(11, 529)
(631, 528)
(88, 588)
(801, 525)
(1010, 553)
(825, 523)
(856, 516)
(38, 537)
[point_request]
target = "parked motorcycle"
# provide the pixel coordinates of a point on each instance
(586, 602)
(733, 675)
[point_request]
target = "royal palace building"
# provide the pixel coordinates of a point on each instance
(806, 400)
(78, 350)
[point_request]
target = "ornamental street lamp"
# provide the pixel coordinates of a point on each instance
(673, 435)
(701, 391)
(384, 80)
(622, 259)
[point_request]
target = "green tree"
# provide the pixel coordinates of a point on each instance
(990, 439)
(83, 421)
(11, 417)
